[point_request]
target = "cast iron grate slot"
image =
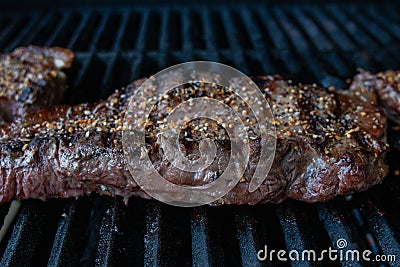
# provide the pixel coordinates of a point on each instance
(316, 37)
(153, 31)
(31, 237)
(331, 28)
(375, 31)
(218, 30)
(201, 246)
(88, 31)
(49, 27)
(281, 45)
(196, 31)
(339, 66)
(69, 238)
(374, 14)
(87, 83)
(279, 38)
(256, 27)
(338, 228)
(159, 243)
(128, 40)
(111, 250)
(174, 25)
(108, 36)
(364, 42)
(312, 231)
(380, 36)
(75, 34)
(254, 231)
(120, 73)
(241, 33)
(54, 32)
(35, 30)
(100, 206)
(297, 39)
(370, 234)
(5, 21)
(163, 41)
(12, 30)
(63, 35)
(25, 28)
(384, 234)
(111, 59)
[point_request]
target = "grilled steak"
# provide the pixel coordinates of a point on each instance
(31, 79)
(328, 143)
(386, 85)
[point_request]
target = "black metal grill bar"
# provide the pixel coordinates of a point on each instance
(376, 32)
(31, 235)
(340, 39)
(383, 21)
(294, 240)
(380, 36)
(23, 31)
(18, 251)
(164, 41)
(187, 24)
(257, 40)
(201, 244)
(141, 37)
(232, 38)
(207, 29)
(110, 59)
(69, 237)
(247, 243)
(78, 30)
(7, 32)
(361, 38)
(110, 248)
(120, 32)
(333, 219)
(302, 49)
(34, 31)
(99, 29)
(55, 31)
(317, 37)
(383, 234)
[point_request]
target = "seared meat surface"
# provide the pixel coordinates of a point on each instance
(31, 79)
(386, 85)
(329, 143)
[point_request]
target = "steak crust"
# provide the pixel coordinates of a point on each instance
(31, 79)
(387, 86)
(329, 143)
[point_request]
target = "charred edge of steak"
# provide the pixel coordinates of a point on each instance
(328, 143)
(31, 78)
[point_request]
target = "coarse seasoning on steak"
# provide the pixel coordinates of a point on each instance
(329, 143)
(387, 86)
(31, 78)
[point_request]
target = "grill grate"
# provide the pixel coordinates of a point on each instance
(323, 43)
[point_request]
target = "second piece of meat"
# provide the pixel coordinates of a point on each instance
(31, 78)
